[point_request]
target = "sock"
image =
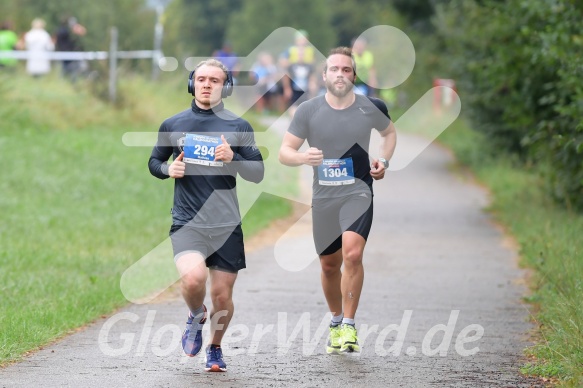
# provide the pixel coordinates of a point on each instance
(214, 346)
(349, 321)
(336, 320)
(198, 313)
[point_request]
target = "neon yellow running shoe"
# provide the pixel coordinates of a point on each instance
(334, 340)
(348, 339)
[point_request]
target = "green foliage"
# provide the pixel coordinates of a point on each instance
(543, 370)
(418, 12)
(197, 28)
(351, 18)
(134, 21)
(258, 19)
(519, 67)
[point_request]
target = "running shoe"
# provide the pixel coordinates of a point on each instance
(192, 336)
(334, 340)
(214, 359)
(348, 339)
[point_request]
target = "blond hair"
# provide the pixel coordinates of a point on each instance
(213, 62)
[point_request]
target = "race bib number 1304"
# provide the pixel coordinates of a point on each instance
(336, 172)
(200, 149)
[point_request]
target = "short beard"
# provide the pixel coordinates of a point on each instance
(339, 93)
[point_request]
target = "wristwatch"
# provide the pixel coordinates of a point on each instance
(385, 162)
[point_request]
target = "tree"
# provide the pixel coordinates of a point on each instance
(197, 28)
(257, 19)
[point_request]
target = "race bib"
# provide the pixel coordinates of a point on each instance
(336, 172)
(200, 149)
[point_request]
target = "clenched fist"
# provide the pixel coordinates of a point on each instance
(177, 168)
(313, 157)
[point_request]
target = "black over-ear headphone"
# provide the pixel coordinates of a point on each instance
(227, 85)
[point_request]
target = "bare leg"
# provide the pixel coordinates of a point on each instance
(353, 276)
(331, 280)
(193, 275)
(222, 298)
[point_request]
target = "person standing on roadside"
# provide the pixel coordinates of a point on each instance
(68, 38)
(38, 42)
(8, 42)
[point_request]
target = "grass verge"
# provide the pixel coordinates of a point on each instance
(550, 242)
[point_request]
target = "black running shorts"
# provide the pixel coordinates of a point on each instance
(333, 216)
(222, 247)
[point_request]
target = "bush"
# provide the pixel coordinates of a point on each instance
(519, 68)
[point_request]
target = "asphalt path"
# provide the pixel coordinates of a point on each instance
(441, 307)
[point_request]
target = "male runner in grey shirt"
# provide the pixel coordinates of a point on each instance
(337, 127)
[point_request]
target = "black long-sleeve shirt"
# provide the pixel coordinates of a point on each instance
(207, 192)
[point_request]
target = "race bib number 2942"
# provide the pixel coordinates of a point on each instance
(200, 149)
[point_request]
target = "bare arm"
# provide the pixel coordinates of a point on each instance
(387, 148)
(290, 156)
(388, 142)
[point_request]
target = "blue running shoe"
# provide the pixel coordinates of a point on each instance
(192, 336)
(214, 359)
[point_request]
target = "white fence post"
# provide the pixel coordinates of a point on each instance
(113, 65)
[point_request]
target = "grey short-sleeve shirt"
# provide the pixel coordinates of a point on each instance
(341, 134)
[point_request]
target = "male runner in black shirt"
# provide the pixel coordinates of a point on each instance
(210, 146)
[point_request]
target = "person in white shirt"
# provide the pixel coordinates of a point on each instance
(38, 42)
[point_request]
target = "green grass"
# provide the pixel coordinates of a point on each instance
(77, 206)
(550, 242)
